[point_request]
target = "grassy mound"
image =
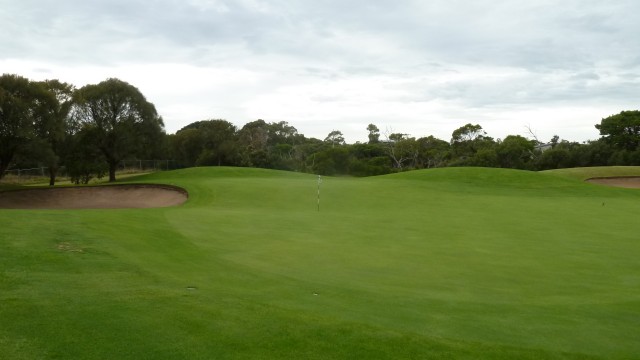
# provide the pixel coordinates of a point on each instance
(446, 263)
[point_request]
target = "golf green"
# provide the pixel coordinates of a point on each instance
(460, 263)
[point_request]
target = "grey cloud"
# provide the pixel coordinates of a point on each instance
(545, 35)
(569, 51)
(90, 29)
(585, 76)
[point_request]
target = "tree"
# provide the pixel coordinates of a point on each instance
(467, 140)
(283, 142)
(186, 146)
(555, 158)
(305, 154)
(207, 142)
(83, 159)
(369, 159)
(402, 149)
(23, 106)
(374, 134)
(432, 152)
(622, 130)
(335, 138)
(253, 139)
(55, 125)
(282, 133)
(485, 157)
(332, 161)
(599, 153)
(124, 123)
(467, 133)
(515, 152)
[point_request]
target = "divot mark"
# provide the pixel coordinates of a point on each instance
(68, 247)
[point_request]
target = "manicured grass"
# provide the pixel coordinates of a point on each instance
(447, 263)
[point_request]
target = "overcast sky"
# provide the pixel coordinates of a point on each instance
(418, 67)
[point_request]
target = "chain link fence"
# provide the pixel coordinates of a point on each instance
(30, 175)
(126, 167)
(147, 165)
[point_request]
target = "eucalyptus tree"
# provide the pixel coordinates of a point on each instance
(209, 142)
(467, 140)
(334, 138)
(55, 125)
(515, 152)
(432, 152)
(402, 149)
(186, 146)
(24, 107)
(283, 133)
(253, 139)
(121, 120)
(622, 130)
(374, 134)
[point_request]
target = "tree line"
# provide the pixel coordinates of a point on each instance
(91, 129)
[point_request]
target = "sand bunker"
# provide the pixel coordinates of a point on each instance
(94, 197)
(631, 182)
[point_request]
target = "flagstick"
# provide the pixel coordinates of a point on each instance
(319, 182)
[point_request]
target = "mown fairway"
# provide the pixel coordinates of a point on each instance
(445, 263)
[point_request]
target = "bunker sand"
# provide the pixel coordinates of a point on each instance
(95, 197)
(631, 182)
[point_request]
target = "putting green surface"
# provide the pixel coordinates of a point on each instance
(446, 263)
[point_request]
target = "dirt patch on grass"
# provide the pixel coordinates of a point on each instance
(69, 247)
(95, 197)
(631, 182)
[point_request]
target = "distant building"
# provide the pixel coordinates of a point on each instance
(543, 147)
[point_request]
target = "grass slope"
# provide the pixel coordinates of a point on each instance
(446, 263)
